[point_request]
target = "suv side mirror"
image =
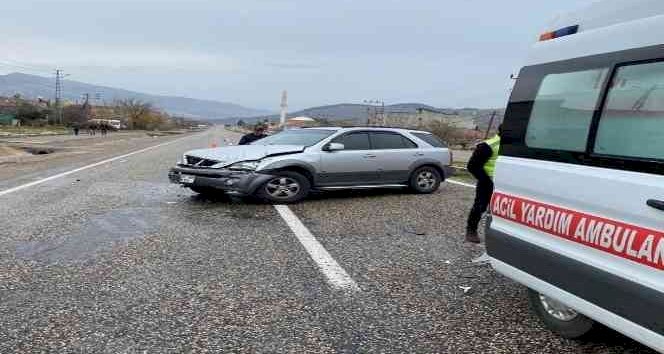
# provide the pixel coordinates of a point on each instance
(334, 147)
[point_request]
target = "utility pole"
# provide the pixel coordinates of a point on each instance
(58, 95)
(488, 129)
(85, 107)
(378, 111)
(59, 75)
(382, 113)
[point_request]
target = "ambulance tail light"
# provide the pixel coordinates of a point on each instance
(566, 31)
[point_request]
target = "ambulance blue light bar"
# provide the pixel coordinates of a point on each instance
(559, 33)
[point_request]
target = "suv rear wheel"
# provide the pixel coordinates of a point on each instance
(425, 180)
(558, 317)
(285, 187)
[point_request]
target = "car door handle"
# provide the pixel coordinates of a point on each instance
(657, 204)
(369, 156)
(419, 154)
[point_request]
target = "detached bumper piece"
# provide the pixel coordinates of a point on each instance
(242, 182)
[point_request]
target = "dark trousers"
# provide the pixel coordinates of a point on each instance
(483, 193)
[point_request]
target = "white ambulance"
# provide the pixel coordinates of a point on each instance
(578, 208)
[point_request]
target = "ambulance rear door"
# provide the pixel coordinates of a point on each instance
(578, 210)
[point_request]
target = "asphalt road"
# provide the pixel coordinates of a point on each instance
(114, 259)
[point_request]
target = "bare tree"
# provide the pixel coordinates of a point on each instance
(445, 131)
(76, 114)
(27, 112)
(135, 111)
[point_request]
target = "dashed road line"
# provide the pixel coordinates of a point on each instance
(336, 276)
(459, 183)
(63, 174)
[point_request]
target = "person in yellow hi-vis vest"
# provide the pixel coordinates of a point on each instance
(482, 165)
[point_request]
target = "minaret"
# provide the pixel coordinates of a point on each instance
(284, 108)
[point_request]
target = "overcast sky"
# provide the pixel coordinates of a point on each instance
(447, 53)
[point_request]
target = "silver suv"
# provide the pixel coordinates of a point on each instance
(284, 167)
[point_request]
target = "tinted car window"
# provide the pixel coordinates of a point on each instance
(354, 141)
(632, 122)
(390, 141)
(304, 137)
(563, 110)
(431, 139)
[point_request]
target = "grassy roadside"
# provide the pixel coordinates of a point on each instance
(7, 151)
(462, 175)
(31, 131)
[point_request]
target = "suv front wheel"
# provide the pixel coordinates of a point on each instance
(425, 180)
(285, 187)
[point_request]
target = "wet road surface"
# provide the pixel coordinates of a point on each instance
(114, 259)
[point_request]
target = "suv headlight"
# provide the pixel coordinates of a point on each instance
(245, 166)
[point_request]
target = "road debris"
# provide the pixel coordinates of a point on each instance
(465, 289)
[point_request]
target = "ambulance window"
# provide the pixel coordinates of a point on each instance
(563, 110)
(632, 122)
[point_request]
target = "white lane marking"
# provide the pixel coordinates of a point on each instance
(336, 276)
(34, 183)
(460, 183)
(482, 259)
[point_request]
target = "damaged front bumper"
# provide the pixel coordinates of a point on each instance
(239, 182)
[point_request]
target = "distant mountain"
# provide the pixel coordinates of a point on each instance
(359, 113)
(36, 86)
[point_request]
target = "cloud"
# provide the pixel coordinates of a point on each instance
(41, 53)
(441, 52)
(288, 65)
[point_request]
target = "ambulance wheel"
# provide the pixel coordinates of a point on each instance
(558, 317)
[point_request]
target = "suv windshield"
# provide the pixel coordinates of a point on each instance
(300, 137)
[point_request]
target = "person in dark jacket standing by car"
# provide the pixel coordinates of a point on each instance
(482, 166)
(257, 134)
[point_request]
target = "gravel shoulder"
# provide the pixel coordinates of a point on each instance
(407, 254)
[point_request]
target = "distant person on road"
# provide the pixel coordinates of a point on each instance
(482, 165)
(104, 129)
(76, 129)
(257, 134)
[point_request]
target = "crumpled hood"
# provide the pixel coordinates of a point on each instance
(232, 154)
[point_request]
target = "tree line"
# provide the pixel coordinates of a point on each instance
(133, 113)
